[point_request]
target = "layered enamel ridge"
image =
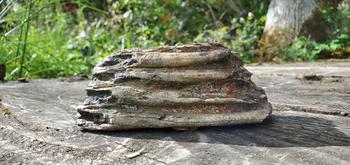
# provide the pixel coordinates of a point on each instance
(173, 86)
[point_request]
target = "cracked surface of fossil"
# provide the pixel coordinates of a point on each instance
(173, 86)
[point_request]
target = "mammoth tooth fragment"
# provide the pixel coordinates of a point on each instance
(173, 86)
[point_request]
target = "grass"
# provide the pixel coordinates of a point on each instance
(43, 51)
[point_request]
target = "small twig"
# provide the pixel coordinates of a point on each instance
(235, 7)
(136, 154)
(25, 38)
(211, 12)
(6, 8)
(19, 42)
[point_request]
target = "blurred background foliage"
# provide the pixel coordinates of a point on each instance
(55, 38)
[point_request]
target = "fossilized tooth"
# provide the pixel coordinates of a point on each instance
(174, 86)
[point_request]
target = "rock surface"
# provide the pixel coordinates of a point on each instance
(319, 87)
(174, 86)
(39, 127)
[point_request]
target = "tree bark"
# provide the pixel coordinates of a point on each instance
(287, 19)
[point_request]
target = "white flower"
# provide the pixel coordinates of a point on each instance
(82, 34)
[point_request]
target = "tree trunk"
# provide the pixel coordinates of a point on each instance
(287, 19)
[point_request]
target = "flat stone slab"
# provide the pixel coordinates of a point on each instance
(320, 87)
(39, 126)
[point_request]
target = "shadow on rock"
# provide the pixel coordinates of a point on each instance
(276, 131)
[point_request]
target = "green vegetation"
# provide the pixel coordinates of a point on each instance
(63, 38)
(242, 35)
(304, 49)
(338, 20)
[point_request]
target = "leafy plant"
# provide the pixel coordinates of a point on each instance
(68, 37)
(242, 36)
(304, 49)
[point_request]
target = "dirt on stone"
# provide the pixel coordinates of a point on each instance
(313, 77)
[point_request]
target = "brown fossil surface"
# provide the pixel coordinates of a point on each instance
(174, 86)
